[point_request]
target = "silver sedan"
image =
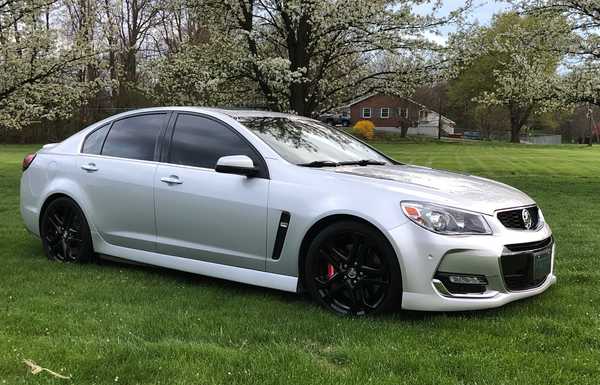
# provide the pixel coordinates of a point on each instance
(284, 202)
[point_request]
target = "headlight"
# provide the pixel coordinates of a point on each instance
(541, 219)
(445, 220)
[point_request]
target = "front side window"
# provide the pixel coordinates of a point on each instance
(403, 112)
(93, 142)
(304, 141)
(200, 142)
(385, 112)
(134, 137)
(366, 112)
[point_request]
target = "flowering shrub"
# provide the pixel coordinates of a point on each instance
(364, 129)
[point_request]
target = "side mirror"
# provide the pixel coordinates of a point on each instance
(236, 164)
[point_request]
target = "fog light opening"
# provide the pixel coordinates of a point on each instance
(467, 279)
(457, 283)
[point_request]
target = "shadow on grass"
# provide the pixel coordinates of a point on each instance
(300, 298)
(198, 279)
(32, 249)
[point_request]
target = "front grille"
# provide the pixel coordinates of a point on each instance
(518, 268)
(513, 219)
(529, 245)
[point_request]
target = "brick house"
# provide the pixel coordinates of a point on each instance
(390, 113)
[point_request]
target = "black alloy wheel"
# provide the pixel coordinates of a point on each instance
(352, 269)
(65, 232)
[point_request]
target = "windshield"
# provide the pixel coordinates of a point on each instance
(305, 142)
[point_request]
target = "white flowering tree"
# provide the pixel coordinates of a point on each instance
(37, 68)
(582, 82)
(511, 65)
(307, 55)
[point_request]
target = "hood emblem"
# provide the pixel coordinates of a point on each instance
(527, 220)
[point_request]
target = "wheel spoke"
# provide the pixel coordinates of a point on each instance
(333, 256)
(74, 240)
(366, 303)
(54, 222)
(355, 249)
(330, 287)
(56, 250)
(360, 295)
(376, 281)
(52, 242)
(69, 216)
(369, 270)
(364, 294)
(65, 249)
(327, 283)
(336, 289)
(355, 299)
(57, 219)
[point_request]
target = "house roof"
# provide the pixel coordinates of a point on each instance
(365, 97)
(450, 121)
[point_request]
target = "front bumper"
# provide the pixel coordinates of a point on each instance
(423, 255)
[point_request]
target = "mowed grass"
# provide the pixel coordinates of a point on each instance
(112, 323)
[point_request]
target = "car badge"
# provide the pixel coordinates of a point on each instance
(527, 220)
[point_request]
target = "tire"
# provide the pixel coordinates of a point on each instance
(65, 232)
(351, 269)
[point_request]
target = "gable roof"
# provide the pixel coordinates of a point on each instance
(365, 97)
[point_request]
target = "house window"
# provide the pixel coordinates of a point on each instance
(366, 112)
(423, 114)
(403, 112)
(385, 112)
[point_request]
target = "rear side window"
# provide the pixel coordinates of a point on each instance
(134, 137)
(93, 142)
(200, 142)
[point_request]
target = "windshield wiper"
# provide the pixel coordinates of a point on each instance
(362, 162)
(319, 163)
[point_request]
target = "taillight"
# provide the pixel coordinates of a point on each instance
(28, 160)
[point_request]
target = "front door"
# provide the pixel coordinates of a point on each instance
(203, 214)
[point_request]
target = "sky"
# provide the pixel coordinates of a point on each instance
(482, 12)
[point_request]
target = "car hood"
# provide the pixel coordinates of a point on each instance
(445, 187)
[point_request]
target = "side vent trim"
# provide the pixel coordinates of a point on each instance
(284, 223)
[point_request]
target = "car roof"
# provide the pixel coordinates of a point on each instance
(239, 114)
(232, 112)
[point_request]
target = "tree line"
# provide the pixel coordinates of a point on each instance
(67, 63)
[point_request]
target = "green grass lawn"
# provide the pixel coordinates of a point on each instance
(113, 323)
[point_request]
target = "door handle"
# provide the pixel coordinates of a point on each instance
(90, 167)
(172, 179)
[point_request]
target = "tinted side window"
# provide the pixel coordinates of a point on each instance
(93, 143)
(200, 142)
(134, 137)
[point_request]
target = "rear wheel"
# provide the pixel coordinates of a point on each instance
(65, 232)
(352, 269)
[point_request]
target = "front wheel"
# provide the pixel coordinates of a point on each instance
(352, 269)
(65, 232)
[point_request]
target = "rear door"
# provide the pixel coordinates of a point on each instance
(203, 214)
(117, 166)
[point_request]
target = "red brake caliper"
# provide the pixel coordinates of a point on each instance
(330, 271)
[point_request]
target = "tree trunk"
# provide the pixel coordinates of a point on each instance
(403, 129)
(518, 118)
(297, 42)
(515, 131)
